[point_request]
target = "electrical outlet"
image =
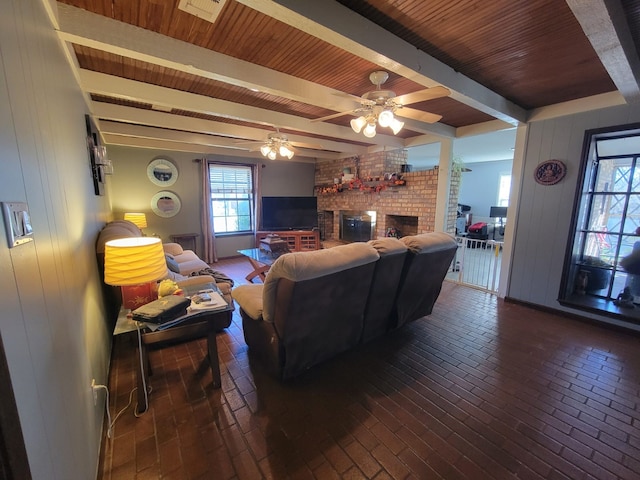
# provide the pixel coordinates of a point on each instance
(94, 389)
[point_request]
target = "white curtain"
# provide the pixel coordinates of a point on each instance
(209, 240)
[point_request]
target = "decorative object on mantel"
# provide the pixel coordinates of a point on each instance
(550, 172)
(368, 185)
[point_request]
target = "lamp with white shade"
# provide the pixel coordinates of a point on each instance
(135, 265)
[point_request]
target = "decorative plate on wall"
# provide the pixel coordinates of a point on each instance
(550, 172)
(165, 204)
(162, 172)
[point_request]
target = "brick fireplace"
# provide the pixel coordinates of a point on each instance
(409, 209)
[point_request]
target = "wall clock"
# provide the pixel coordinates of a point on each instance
(162, 172)
(550, 172)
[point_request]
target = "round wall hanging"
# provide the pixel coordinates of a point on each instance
(162, 172)
(165, 204)
(550, 172)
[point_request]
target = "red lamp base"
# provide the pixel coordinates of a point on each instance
(134, 296)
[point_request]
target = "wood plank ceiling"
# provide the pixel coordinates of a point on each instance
(160, 77)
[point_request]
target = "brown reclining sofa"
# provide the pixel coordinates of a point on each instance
(315, 305)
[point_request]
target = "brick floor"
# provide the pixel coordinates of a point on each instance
(479, 389)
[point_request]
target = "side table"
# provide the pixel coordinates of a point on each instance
(193, 325)
(188, 241)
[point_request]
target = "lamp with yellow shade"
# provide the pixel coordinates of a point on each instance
(135, 265)
(137, 218)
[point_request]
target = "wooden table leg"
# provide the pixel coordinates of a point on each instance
(214, 362)
(259, 270)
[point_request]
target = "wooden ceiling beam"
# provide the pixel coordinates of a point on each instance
(117, 87)
(159, 144)
(605, 25)
(101, 33)
(345, 29)
(109, 113)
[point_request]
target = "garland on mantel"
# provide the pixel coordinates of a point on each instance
(359, 185)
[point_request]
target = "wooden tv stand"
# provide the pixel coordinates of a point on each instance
(298, 240)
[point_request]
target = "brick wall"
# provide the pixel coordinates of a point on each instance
(416, 200)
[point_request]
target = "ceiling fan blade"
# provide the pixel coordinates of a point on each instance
(419, 115)
(314, 146)
(422, 95)
(329, 117)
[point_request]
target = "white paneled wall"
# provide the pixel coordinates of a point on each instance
(53, 323)
(544, 214)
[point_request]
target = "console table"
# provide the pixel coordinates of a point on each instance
(297, 240)
(186, 240)
(194, 324)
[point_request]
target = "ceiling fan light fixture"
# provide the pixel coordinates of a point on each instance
(385, 118)
(358, 123)
(370, 130)
(272, 154)
(265, 149)
(285, 151)
(396, 125)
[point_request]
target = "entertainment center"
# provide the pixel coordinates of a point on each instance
(293, 219)
(297, 240)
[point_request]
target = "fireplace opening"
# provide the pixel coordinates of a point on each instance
(357, 226)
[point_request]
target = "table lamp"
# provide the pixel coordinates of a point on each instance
(137, 218)
(135, 265)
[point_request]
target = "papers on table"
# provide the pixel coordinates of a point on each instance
(217, 302)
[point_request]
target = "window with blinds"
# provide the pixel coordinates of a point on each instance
(231, 198)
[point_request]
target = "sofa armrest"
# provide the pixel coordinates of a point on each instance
(249, 297)
(172, 248)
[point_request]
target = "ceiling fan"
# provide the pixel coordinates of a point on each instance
(383, 106)
(278, 144)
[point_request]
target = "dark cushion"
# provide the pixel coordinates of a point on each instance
(172, 264)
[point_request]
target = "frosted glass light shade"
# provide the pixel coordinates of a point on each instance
(385, 118)
(133, 261)
(370, 130)
(358, 123)
(138, 219)
(285, 152)
(265, 149)
(271, 155)
(396, 126)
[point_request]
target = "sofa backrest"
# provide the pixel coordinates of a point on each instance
(312, 327)
(384, 286)
(428, 260)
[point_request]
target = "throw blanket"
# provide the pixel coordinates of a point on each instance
(217, 275)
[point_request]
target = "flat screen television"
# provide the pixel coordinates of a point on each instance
(289, 213)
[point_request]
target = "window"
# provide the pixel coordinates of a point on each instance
(504, 189)
(607, 217)
(231, 198)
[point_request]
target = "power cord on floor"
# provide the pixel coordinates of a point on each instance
(96, 387)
